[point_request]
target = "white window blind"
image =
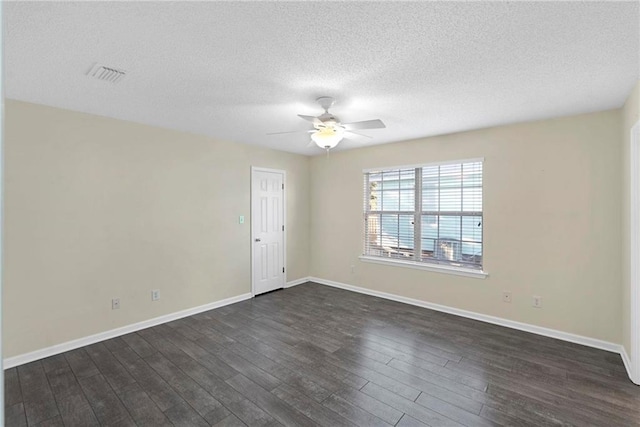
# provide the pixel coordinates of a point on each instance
(429, 213)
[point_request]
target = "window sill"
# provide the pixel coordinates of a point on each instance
(446, 269)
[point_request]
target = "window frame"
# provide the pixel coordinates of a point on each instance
(417, 214)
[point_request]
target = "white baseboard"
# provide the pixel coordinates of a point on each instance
(297, 282)
(92, 339)
(627, 364)
(553, 333)
(627, 361)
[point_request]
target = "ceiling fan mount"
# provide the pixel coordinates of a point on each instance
(326, 102)
(328, 131)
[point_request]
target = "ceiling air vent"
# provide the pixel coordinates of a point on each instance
(108, 74)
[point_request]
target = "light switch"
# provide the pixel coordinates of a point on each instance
(241, 219)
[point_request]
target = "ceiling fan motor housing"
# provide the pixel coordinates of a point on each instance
(328, 120)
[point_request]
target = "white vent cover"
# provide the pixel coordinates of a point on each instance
(109, 74)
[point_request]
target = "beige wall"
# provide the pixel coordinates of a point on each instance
(630, 115)
(97, 208)
(552, 195)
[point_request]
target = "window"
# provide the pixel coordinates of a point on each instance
(429, 214)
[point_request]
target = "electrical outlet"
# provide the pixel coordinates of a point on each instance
(353, 269)
(506, 296)
(115, 303)
(537, 301)
(155, 295)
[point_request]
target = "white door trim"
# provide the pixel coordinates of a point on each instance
(634, 154)
(284, 221)
(2, 133)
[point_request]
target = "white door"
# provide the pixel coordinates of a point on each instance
(267, 229)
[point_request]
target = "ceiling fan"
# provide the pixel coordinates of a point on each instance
(328, 131)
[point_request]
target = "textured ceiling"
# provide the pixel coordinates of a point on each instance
(238, 70)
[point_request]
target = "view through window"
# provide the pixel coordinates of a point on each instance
(430, 213)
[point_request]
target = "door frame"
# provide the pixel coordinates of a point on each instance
(634, 229)
(284, 222)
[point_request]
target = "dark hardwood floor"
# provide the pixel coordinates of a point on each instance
(315, 355)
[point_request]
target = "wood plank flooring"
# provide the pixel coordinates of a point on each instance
(314, 355)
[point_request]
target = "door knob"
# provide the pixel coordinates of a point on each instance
(257, 240)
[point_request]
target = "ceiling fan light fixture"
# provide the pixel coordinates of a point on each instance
(328, 137)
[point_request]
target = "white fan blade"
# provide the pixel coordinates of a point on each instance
(367, 124)
(312, 119)
(293, 131)
(351, 133)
